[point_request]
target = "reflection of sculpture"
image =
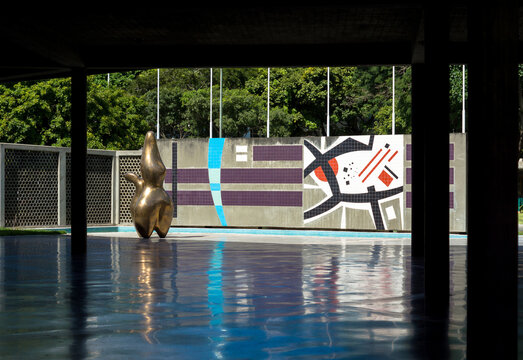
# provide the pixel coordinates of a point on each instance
(151, 207)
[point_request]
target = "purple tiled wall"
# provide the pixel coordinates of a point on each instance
(277, 153)
(262, 198)
(244, 176)
(262, 176)
(242, 198)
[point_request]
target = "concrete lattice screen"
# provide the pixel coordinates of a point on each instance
(99, 179)
(127, 163)
(31, 188)
(35, 186)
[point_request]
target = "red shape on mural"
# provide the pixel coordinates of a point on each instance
(385, 178)
(319, 171)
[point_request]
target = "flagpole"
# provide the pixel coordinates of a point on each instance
(328, 101)
(268, 97)
(221, 75)
(210, 112)
(393, 100)
(463, 102)
(158, 105)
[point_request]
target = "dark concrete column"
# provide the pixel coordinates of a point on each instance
(492, 156)
(419, 93)
(78, 161)
(417, 262)
(436, 162)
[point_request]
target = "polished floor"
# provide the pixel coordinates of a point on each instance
(221, 296)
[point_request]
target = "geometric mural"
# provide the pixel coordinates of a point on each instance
(358, 182)
(240, 176)
(358, 172)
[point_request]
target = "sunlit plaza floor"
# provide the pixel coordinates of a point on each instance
(209, 295)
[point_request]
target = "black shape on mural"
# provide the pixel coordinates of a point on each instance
(371, 197)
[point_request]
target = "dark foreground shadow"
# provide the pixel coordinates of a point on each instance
(78, 307)
(430, 338)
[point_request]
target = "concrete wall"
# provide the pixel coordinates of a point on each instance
(356, 182)
(457, 182)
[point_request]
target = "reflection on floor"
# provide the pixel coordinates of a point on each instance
(189, 298)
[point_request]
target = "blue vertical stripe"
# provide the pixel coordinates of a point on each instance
(215, 153)
(221, 215)
(214, 163)
(174, 178)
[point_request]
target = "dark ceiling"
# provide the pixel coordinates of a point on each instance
(40, 43)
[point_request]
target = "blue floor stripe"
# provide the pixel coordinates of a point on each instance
(282, 232)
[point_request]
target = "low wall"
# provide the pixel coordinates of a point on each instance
(356, 182)
(348, 182)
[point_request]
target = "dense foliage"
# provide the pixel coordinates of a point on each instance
(40, 113)
(123, 106)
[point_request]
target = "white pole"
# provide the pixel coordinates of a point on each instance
(268, 97)
(463, 102)
(393, 100)
(328, 101)
(108, 78)
(158, 106)
(221, 75)
(210, 115)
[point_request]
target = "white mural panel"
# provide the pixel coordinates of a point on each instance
(358, 172)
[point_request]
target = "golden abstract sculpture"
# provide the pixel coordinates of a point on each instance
(151, 206)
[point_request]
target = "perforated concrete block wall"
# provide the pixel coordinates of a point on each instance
(31, 188)
(35, 186)
(99, 177)
(127, 163)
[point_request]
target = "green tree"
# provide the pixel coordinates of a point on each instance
(195, 113)
(118, 79)
(456, 97)
(243, 112)
(40, 113)
(179, 89)
(171, 112)
(121, 111)
(301, 94)
(36, 112)
(116, 119)
(373, 99)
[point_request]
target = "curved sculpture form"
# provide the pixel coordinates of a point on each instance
(151, 206)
